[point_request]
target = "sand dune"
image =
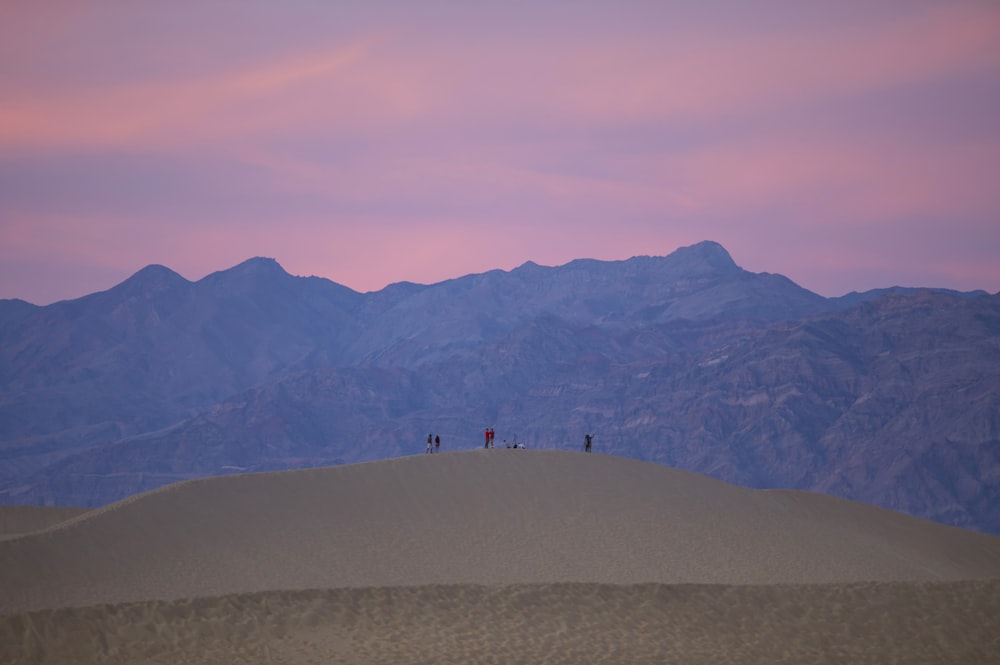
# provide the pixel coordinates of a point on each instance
(494, 557)
(496, 517)
(19, 520)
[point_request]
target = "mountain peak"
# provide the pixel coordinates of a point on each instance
(258, 265)
(151, 280)
(252, 271)
(251, 276)
(157, 272)
(528, 267)
(708, 254)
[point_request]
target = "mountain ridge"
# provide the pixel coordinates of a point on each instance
(686, 360)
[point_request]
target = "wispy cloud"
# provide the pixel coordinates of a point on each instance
(414, 137)
(241, 103)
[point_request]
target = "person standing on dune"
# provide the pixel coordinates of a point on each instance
(430, 444)
(437, 443)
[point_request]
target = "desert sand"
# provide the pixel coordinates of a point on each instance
(19, 520)
(496, 556)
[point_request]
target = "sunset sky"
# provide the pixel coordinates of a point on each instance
(846, 144)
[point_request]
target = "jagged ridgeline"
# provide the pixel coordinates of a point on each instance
(890, 397)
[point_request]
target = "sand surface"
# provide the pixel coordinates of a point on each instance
(495, 556)
(877, 623)
(19, 520)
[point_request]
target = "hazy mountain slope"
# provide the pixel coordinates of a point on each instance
(895, 403)
(153, 351)
(316, 418)
(333, 415)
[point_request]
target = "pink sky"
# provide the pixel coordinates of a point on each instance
(847, 145)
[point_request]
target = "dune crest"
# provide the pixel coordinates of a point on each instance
(496, 517)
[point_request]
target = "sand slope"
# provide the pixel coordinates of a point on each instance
(495, 517)
(496, 557)
(19, 520)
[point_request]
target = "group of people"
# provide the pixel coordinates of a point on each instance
(491, 438)
(434, 442)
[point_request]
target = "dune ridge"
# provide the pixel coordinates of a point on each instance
(494, 517)
(20, 520)
(500, 556)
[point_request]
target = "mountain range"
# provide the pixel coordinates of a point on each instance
(891, 397)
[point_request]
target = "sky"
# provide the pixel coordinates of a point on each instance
(846, 144)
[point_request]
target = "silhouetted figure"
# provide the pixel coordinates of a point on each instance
(487, 444)
(437, 444)
(586, 442)
(430, 444)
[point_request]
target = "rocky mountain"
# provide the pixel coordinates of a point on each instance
(890, 397)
